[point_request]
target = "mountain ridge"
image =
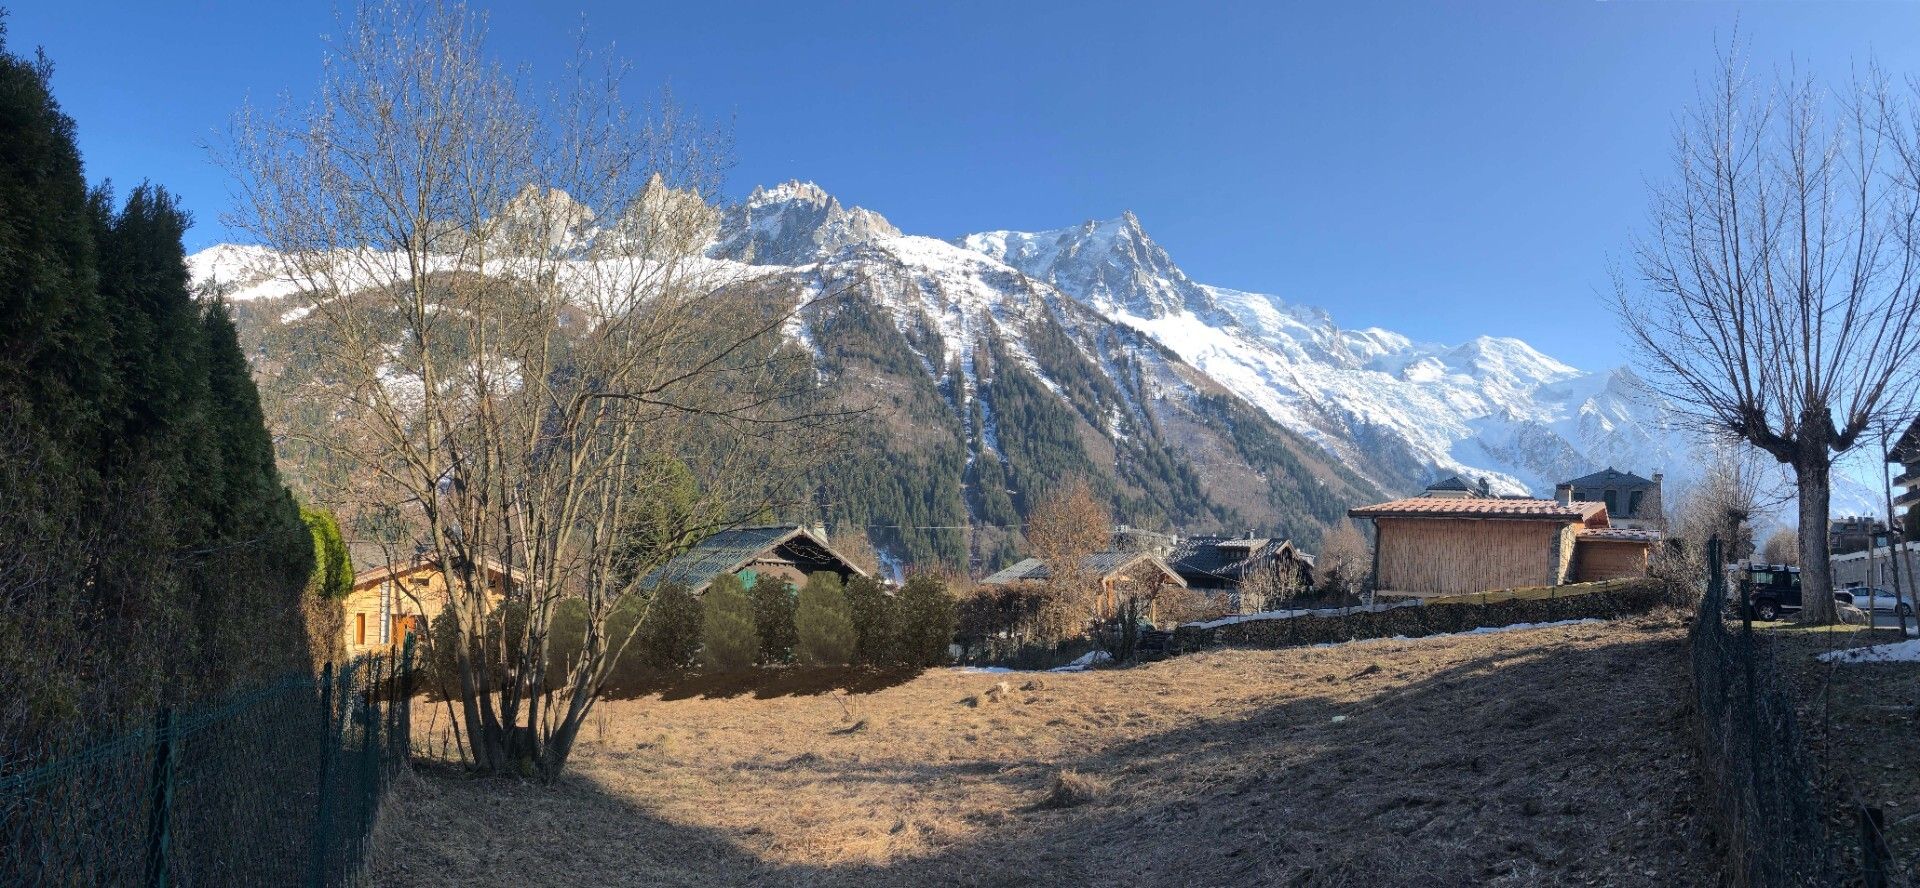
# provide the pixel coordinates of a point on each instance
(1001, 362)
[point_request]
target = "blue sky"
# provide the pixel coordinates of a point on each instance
(1444, 170)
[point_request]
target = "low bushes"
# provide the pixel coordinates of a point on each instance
(730, 628)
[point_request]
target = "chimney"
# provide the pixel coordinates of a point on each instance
(1563, 494)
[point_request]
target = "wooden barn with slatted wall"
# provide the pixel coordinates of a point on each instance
(1429, 545)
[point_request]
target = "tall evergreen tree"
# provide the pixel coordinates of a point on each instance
(148, 549)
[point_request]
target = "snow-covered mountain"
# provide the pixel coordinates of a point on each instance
(1403, 410)
(1003, 359)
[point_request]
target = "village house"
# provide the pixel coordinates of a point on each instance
(1444, 545)
(782, 551)
(1855, 533)
(1120, 575)
(1632, 501)
(389, 603)
(1217, 563)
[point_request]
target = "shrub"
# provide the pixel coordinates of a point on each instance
(728, 641)
(328, 584)
(671, 624)
(876, 619)
(927, 619)
(823, 622)
(773, 608)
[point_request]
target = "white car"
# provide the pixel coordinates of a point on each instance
(1870, 599)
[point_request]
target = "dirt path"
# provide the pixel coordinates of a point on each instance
(1549, 756)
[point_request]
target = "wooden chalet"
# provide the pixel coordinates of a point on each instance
(1428, 546)
(390, 602)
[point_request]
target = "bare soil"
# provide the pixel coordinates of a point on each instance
(1555, 756)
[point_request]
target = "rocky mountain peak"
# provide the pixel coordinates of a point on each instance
(794, 223)
(1112, 265)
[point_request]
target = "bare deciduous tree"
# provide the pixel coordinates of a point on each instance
(1269, 584)
(1778, 298)
(1064, 529)
(1345, 562)
(1783, 547)
(524, 357)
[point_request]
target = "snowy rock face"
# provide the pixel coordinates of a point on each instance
(1404, 410)
(1112, 266)
(1399, 410)
(793, 224)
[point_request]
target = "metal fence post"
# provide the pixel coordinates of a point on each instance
(1875, 857)
(317, 876)
(406, 700)
(160, 791)
(369, 750)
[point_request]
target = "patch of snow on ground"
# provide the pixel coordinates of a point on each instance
(1891, 652)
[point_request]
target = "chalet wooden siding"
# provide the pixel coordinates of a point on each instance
(1610, 559)
(388, 602)
(1451, 556)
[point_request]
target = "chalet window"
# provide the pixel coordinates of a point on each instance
(360, 628)
(1633, 502)
(1613, 506)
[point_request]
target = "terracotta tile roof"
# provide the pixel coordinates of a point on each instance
(1445, 507)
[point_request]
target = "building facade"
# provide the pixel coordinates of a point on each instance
(1631, 501)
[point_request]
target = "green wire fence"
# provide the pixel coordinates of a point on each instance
(275, 786)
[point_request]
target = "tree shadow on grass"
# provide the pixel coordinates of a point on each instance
(762, 683)
(1550, 765)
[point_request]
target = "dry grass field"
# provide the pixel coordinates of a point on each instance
(1553, 756)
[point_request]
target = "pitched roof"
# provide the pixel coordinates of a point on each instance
(1452, 482)
(1226, 558)
(1610, 476)
(1512, 509)
(1099, 564)
(731, 550)
(373, 575)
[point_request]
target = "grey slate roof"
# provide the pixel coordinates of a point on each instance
(1611, 477)
(1225, 558)
(1099, 564)
(1453, 482)
(730, 550)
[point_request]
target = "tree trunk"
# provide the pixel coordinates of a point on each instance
(1816, 571)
